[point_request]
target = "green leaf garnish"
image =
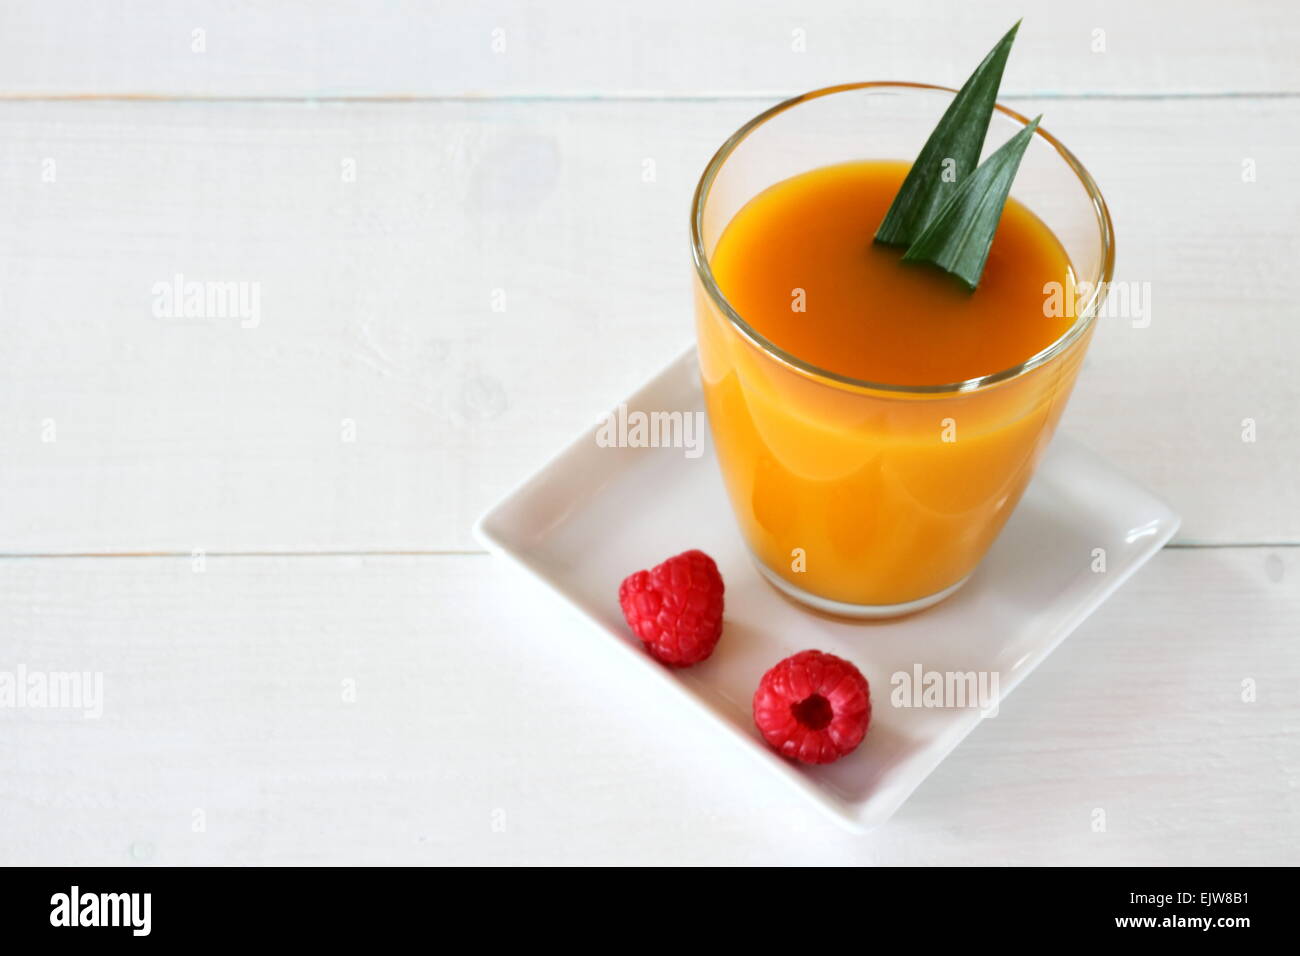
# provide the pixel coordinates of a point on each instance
(956, 141)
(960, 235)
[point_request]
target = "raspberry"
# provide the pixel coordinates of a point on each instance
(814, 707)
(675, 608)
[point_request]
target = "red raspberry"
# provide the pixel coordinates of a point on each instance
(676, 608)
(814, 707)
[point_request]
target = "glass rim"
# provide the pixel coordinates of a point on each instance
(1083, 320)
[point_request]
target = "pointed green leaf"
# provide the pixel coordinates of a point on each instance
(953, 147)
(960, 235)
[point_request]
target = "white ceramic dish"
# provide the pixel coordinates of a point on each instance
(570, 526)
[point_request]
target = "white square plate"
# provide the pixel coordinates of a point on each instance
(570, 526)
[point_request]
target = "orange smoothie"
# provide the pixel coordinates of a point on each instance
(847, 486)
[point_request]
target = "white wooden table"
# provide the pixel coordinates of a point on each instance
(260, 536)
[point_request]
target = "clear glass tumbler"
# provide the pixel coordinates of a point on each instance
(845, 492)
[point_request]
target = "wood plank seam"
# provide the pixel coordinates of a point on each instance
(614, 96)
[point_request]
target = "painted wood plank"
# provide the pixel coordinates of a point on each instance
(512, 47)
(433, 710)
(450, 291)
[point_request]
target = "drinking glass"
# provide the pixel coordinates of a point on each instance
(871, 499)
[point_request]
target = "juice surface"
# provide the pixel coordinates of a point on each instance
(862, 496)
(868, 316)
